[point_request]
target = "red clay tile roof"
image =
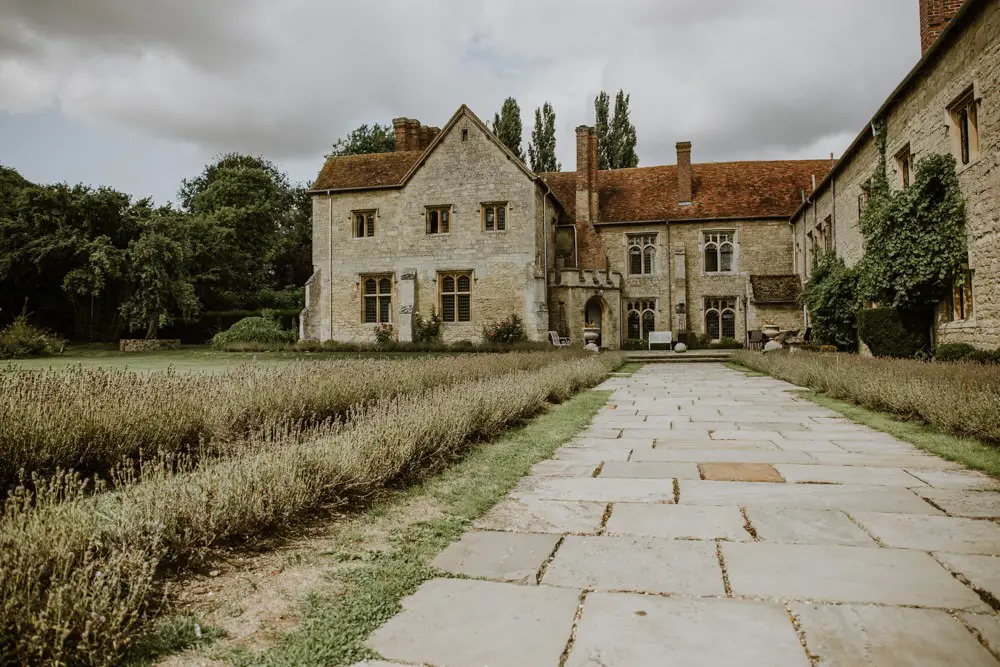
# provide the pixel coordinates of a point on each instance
(776, 289)
(721, 190)
(365, 171)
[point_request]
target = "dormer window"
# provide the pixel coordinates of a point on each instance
(720, 249)
(438, 219)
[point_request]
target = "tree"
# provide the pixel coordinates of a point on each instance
(507, 126)
(616, 137)
(831, 295)
(365, 140)
(542, 149)
(160, 286)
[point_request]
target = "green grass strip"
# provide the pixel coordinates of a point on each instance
(629, 368)
(336, 622)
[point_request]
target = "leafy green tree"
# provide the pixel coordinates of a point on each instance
(831, 296)
(507, 126)
(542, 149)
(159, 285)
(616, 137)
(366, 139)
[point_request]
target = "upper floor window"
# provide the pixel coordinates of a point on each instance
(863, 196)
(964, 114)
(641, 254)
(720, 317)
(377, 299)
(364, 224)
(495, 217)
(904, 163)
(456, 296)
(438, 219)
(719, 250)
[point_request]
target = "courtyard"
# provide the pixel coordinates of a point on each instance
(707, 517)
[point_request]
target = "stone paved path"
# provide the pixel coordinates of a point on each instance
(708, 518)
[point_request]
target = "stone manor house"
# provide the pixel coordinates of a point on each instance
(453, 222)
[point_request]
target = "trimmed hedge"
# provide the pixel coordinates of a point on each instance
(265, 330)
(201, 330)
(891, 333)
(965, 352)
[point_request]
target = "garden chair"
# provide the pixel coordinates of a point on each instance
(557, 340)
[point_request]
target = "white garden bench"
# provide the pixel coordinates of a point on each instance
(557, 340)
(660, 338)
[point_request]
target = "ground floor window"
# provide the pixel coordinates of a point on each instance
(377, 299)
(720, 317)
(641, 318)
(961, 297)
(456, 296)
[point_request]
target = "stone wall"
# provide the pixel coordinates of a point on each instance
(920, 118)
(506, 266)
(653, 286)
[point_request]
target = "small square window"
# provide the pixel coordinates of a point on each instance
(438, 219)
(495, 217)
(364, 224)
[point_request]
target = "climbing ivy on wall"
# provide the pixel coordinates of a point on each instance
(914, 238)
(831, 295)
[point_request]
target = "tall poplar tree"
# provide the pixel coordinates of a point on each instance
(616, 138)
(602, 125)
(542, 149)
(507, 126)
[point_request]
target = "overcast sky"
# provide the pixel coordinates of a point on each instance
(137, 94)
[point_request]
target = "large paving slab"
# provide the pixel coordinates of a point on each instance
(958, 502)
(822, 474)
(649, 470)
(932, 533)
(868, 635)
(955, 479)
(465, 622)
(987, 626)
(844, 574)
(502, 556)
(531, 513)
(720, 454)
(640, 564)
(797, 526)
(983, 572)
(599, 489)
(677, 521)
(621, 630)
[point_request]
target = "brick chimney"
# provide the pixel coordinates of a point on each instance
(684, 172)
(935, 15)
(590, 253)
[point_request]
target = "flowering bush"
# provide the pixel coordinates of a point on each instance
(504, 332)
(427, 330)
(384, 333)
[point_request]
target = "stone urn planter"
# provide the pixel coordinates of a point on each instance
(590, 336)
(770, 330)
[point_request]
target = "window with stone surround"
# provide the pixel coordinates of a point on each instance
(863, 196)
(964, 114)
(438, 219)
(904, 165)
(494, 217)
(641, 318)
(456, 296)
(641, 254)
(376, 300)
(720, 317)
(720, 247)
(960, 305)
(364, 224)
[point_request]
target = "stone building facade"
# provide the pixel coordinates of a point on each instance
(453, 221)
(949, 103)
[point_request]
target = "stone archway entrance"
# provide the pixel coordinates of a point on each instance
(594, 312)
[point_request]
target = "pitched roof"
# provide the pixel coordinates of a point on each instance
(376, 170)
(776, 289)
(720, 190)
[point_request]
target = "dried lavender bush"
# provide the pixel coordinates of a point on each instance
(79, 572)
(956, 397)
(90, 420)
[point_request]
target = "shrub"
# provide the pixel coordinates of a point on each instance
(891, 333)
(263, 329)
(384, 333)
(425, 331)
(504, 332)
(984, 356)
(22, 339)
(200, 330)
(78, 574)
(958, 398)
(634, 344)
(831, 296)
(953, 351)
(726, 344)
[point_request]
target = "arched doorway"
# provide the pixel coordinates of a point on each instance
(593, 314)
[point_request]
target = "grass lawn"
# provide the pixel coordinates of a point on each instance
(189, 358)
(969, 452)
(375, 561)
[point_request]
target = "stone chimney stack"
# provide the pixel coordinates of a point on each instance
(400, 125)
(935, 15)
(684, 172)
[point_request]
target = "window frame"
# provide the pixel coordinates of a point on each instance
(640, 245)
(905, 166)
(443, 211)
(962, 298)
(715, 239)
(378, 297)
(966, 145)
(370, 223)
(640, 307)
(497, 207)
(719, 306)
(455, 295)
